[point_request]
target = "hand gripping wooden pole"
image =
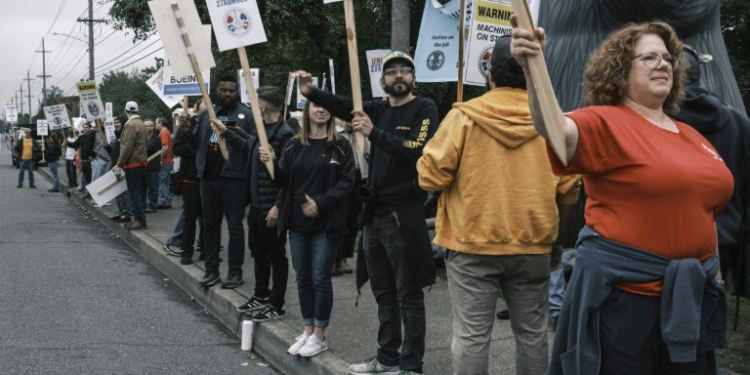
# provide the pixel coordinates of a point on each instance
(553, 122)
(259, 126)
(351, 39)
(199, 78)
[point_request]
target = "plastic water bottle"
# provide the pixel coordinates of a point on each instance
(247, 336)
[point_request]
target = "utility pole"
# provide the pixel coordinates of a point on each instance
(20, 108)
(44, 75)
(400, 25)
(28, 91)
(91, 22)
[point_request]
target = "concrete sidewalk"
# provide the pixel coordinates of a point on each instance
(352, 335)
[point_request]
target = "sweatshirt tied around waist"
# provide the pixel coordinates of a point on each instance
(693, 305)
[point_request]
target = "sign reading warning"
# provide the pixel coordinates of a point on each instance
(91, 102)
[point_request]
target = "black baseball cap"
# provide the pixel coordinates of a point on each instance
(501, 57)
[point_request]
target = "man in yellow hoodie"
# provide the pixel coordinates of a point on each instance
(498, 215)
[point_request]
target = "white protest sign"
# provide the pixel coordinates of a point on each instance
(171, 36)
(81, 110)
(41, 128)
(57, 115)
(289, 87)
(301, 99)
(244, 95)
(490, 20)
(109, 129)
(375, 65)
(436, 56)
(237, 23)
(187, 85)
(11, 113)
(108, 110)
(331, 1)
(91, 102)
(156, 84)
(107, 187)
(78, 122)
(333, 78)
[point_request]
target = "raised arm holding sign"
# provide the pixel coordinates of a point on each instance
(541, 85)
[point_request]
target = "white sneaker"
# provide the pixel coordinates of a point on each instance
(298, 343)
(372, 366)
(313, 347)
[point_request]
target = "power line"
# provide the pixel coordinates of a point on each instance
(103, 66)
(125, 66)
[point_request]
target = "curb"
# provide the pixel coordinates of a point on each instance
(270, 338)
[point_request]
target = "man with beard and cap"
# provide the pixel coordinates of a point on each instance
(498, 216)
(222, 183)
(727, 129)
(397, 251)
(124, 211)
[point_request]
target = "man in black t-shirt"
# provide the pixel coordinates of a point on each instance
(397, 252)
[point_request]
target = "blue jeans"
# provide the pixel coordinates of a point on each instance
(152, 184)
(227, 195)
(53, 170)
(313, 256)
(70, 170)
(24, 166)
(135, 178)
(175, 238)
(165, 194)
(98, 168)
(556, 292)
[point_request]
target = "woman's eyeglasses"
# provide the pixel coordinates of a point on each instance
(653, 59)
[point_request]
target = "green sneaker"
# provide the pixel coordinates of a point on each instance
(372, 366)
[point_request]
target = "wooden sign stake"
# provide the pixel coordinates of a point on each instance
(199, 78)
(113, 183)
(543, 86)
(461, 25)
(259, 126)
(43, 158)
(286, 105)
(351, 39)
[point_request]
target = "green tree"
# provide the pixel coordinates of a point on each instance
(121, 87)
(51, 99)
(735, 20)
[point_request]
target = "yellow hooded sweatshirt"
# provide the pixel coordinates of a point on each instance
(499, 193)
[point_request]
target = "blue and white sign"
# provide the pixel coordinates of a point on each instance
(436, 56)
(237, 23)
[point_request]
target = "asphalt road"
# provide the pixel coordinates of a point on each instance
(76, 300)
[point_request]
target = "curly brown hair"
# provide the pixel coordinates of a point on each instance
(606, 77)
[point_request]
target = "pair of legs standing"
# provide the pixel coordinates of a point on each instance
(26, 165)
(271, 264)
(70, 170)
(165, 192)
(313, 256)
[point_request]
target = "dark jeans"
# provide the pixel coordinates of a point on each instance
(191, 197)
(631, 341)
(399, 298)
(135, 178)
(313, 256)
(227, 195)
(70, 171)
(53, 165)
(269, 252)
(86, 172)
(26, 165)
(152, 183)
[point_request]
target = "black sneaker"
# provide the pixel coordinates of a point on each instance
(202, 256)
(232, 281)
(149, 210)
(124, 219)
(210, 279)
(254, 304)
(32, 186)
(163, 206)
(269, 313)
(187, 258)
(173, 250)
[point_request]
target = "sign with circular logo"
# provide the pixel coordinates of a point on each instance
(93, 108)
(58, 121)
(435, 60)
(237, 22)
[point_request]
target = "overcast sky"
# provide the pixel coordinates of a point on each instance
(23, 24)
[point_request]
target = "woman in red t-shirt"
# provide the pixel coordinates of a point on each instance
(653, 183)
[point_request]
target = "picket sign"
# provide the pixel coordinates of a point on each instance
(553, 121)
(351, 41)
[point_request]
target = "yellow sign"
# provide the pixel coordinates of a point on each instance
(86, 87)
(493, 13)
